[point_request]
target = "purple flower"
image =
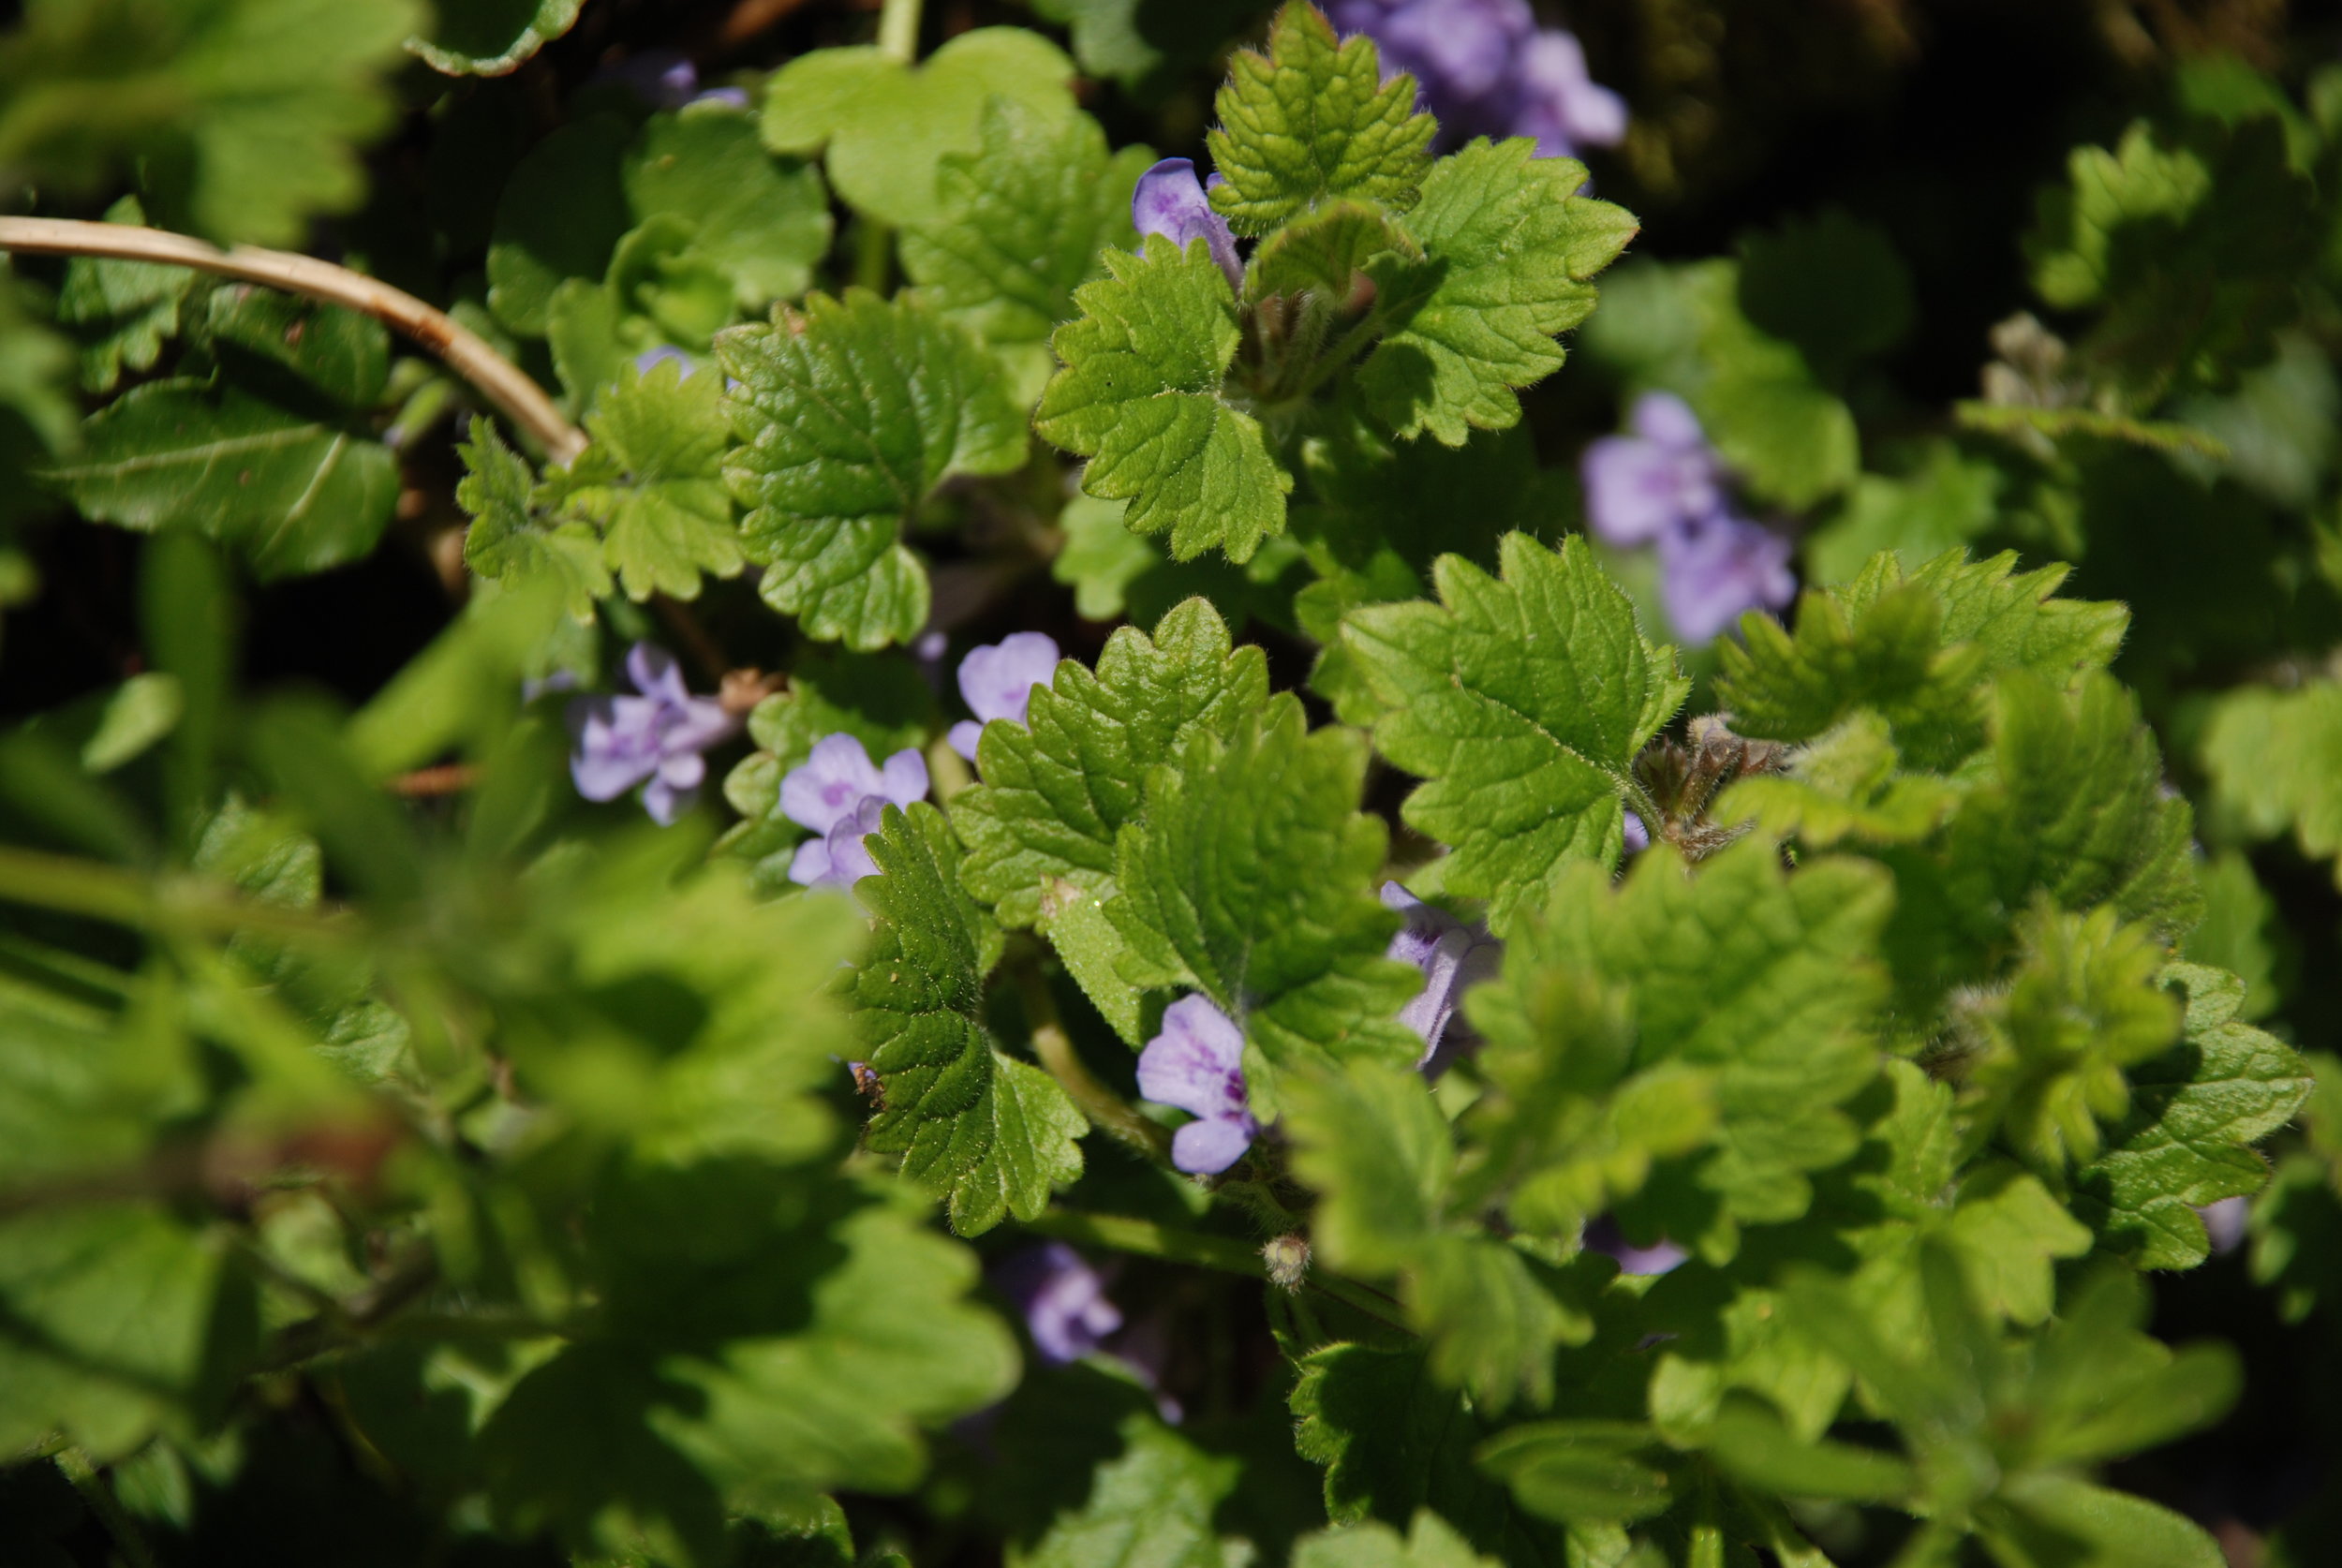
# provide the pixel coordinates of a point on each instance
(1452, 956)
(651, 358)
(1559, 104)
(730, 98)
(1664, 485)
(1663, 476)
(996, 681)
(1197, 1064)
(1486, 68)
(658, 735)
(1064, 1300)
(1604, 1235)
(1171, 202)
(1714, 570)
(1637, 835)
(2224, 1223)
(841, 795)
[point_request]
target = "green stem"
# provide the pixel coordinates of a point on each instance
(873, 255)
(898, 30)
(1145, 1238)
(1106, 1109)
(86, 887)
(100, 1498)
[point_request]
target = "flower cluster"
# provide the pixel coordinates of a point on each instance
(1484, 68)
(656, 735)
(997, 682)
(841, 794)
(1169, 200)
(1664, 486)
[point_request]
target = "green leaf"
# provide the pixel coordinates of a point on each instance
(883, 127)
(992, 1134)
(653, 483)
(1324, 251)
(243, 114)
(124, 311)
(2190, 244)
(1914, 648)
(506, 542)
(1372, 1140)
(1022, 221)
(1508, 248)
(2007, 1231)
(1140, 397)
(1580, 1472)
(491, 37)
(2082, 1006)
(2062, 1519)
(1845, 785)
(293, 495)
(2195, 1112)
(1832, 285)
(2273, 756)
(1757, 1449)
(1250, 877)
(1393, 1440)
(1429, 1542)
(849, 417)
(1763, 978)
(106, 1312)
(1310, 121)
(1494, 1317)
(764, 224)
(1153, 1504)
(2077, 811)
(1523, 703)
(298, 348)
(1139, 42)
(1947, 502)
(1058, 789)
(562, 214)
(841, 1330)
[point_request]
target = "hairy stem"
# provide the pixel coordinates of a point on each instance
(1109, 1110)
(128, 1541)
(466, 352)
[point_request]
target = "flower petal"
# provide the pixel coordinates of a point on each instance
(1211, 1145)
(829, 783)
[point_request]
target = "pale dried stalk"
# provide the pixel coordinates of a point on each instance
(465, 352)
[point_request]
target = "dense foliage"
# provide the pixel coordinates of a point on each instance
(1349, 847)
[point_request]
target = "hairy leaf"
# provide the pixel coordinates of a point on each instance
(848, 416)
(1139, 396)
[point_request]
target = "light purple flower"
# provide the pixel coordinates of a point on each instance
(1559, 104)
(1197, 1064)
(1663, 476)
(1714, 569)
(1484, 68)
(1637, 835)
(996, 681)
(1452, 956)
(730, 98)
(658, 736)
(1063, 1299)
(1172, 202)
(842, 796)
(1603, 1235)
(651, 358)
(2224, 1223)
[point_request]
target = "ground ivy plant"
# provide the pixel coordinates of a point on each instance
(1038, 884)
